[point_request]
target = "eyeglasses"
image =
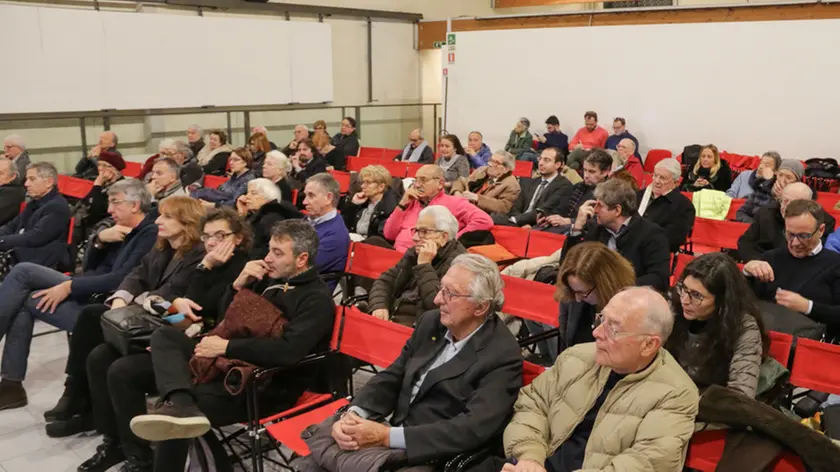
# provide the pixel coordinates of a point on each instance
(424, 180)
(448, 295)
(610, 331)
(423, 232)
(803, 237)
(584, 294)
(365, 183)
(115, 202)
(493, 163)
(694, 296)
(218, 237)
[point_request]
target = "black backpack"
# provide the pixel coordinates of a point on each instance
(824, 168)
(690, 155)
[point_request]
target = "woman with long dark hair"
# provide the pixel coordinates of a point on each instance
(453, 160)
(718, 335)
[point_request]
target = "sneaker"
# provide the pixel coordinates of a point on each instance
(12, 395)
(80, 423)
(169, 421)
(108, 454)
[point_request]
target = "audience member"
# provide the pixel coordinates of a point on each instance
(241, 162)
(453, 385)
(493, 188)
(301, 134)
(321, 200)
(611, 218)
(86, 167)
(262, 129)
(93, 208)
(710, 172)
(770, 190)
(277, 168)
(12, 193)
(596, 169)
(662, 203)
(620, 133)
(306, 162)
(165, 181)
(621, 400)
(619, 172)
(336, 160)
(553, 138)
(163, 274)
(591, 136)
(767, 231)
(452, 160)
(166, 148)
(417, 149)
(264, 208)
(191, 173)
(213, 158)
(195, 138)
(39, 233)
(540, 196)
(426, 190)
(347, 139)
(477, 151)
(718, 336)
(629, 162)
(259, 146)
(521, 141)
(802, 276)
(366, 213)
(320, 126)
(409, 289)
(288, 280)
(747, 181)
(14, 149)
(32, 291)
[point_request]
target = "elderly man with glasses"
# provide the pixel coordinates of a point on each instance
(622, 402)
(662, 203)
(452, 387)
(14, 149)
(493, 187)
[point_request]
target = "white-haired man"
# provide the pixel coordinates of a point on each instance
(14, 149)
(264, 130)
(301, 133)
(195, 138)
(417, 150)
(166, 148)
(662, 203)
(622, 402)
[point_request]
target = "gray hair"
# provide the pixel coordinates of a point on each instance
(197, 128)
(15, 140)
(419, 132)
(798, 189)
(280, 159)
(262, 129)
(133, 190)
(170, 163)
(184, 149)
(329, 184)
(303, 236)
(510, 159)
(617, 192)
(671, 165)
(10, 166)
(525, 122)
(266, 188)
(658, 317)
(45, 170)
(487, 284)
(167, 143)
(777, 158)
(444, 221)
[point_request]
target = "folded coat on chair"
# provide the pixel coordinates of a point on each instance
(248, 316)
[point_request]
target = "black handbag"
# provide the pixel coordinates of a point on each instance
(784, 320)
(129, 328)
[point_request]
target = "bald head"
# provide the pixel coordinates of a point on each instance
(107, 140)
(626, 147)
(797, 191)
(429, 182)
(416, 136)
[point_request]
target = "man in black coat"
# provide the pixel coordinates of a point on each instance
(663, 203)
(612, 220)
(39, 233)
(12, 193)
(452, 388)
(767, 230)
(543, 196)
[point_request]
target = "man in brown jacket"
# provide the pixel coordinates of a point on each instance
(493, 188)
(620, 403)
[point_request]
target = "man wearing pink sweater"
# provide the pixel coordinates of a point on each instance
(428, 190)
(591, 136)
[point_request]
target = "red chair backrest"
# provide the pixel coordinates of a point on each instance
(653, 157)
(511, 238)
(343, 179)
(531, 300)
(688, 195)
(412, 168)
(213, 181)
(682, 261)
(355, 164)
(523, 169)
(815, 366)
(734, 206)
(370, 339)
(397, 169)
(530, 371)
(780, 345)
(132, 169)
(542, 243)
(374, 152)
(647, 179)
(370, 261)
(717, 234)
(827, 200)
(73, 187)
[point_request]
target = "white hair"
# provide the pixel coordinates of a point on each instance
(280, 159)
(487, 285)
(509, 159)
(444, 221)
(419, 132)
(15, 140)
(195, 127)
(671, 165)
(260, 129)
(266, 188)
(630, 141)
(167, 143)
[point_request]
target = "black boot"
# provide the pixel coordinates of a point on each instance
(79, 423)
(12, 395)
(134, 465)
(73, 401)
(108, 454)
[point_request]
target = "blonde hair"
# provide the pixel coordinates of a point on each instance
(715, 167)
(187, 211)
(376, 173)
(596, 265)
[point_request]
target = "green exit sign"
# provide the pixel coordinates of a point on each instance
(439, 44)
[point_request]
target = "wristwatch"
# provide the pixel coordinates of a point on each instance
(203, 267)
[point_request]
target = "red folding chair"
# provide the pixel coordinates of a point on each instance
(734, 206)
(542, 243)
(712, 235)
(370, 261)
(355, 164)
(706, 449)
(814, 365)
(511, 244)
(73, 187)
(523, 169)
(531, 300)
(343, 179)
(397, 169)
(213, 181)
(780, 347)
(373, 152)
(827, 200)
(412, 168)
(682, 261)
(132, 169)
(653, 157)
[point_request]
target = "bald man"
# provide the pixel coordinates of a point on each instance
(417, 150)
(767, 230)
(620, 132)
(626, 150)
(86, 167)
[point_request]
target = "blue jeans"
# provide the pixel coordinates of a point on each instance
(18, 313)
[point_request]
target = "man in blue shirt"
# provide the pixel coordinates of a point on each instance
(620, 132)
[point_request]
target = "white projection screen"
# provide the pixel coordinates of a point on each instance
(746, 87)
(73, 60)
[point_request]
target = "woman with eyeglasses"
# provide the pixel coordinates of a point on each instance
(241, 161)
(590, 275)
(367, 211)
(718, 335)
(409, 288)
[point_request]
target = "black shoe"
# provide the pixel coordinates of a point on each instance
(170, 421)
(132, 465)
(108, 454)
(77, 424)
(12, 395)
(72, 402)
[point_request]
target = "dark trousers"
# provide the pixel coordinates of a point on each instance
(87, 335)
